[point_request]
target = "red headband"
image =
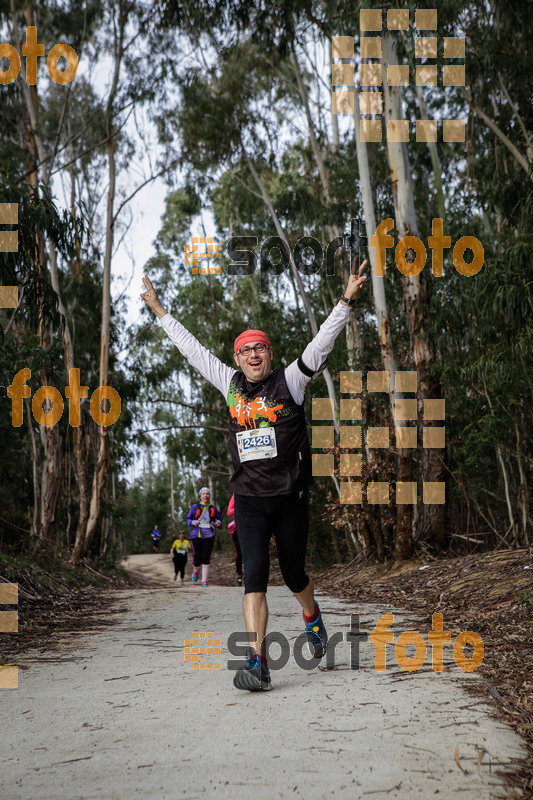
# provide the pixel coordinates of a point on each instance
(250, 336)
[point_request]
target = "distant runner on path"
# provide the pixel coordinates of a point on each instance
(203, 519)
(178, 551)
(156, 535)
(272, 462)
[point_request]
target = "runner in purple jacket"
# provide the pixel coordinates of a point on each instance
(203, 519)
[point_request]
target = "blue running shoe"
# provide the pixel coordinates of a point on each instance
(255, 676)
(194, 575)
(317, 638)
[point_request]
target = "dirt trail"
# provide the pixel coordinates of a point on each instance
(120, 714)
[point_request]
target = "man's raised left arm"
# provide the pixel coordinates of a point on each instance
(299, 373)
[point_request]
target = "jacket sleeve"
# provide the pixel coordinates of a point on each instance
(231, 508)
(217, 514)
(316, 352)
(207, 364)
(190, 515)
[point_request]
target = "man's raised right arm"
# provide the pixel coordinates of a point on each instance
(208, 365)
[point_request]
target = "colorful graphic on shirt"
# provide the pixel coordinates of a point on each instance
(248, 413)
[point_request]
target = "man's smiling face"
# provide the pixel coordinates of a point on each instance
(255, 365)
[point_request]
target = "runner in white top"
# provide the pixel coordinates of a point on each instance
(272, 461)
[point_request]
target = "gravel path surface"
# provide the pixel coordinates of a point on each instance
(120, 714)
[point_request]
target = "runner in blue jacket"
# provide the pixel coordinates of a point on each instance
(203, 519)
(156, 535)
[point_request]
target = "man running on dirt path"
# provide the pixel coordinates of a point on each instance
(156, 536)
(272, 462)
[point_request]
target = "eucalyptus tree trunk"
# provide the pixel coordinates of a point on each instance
(334, 120)
(312, 136)
(404, 512)
(35, 526)
(301, 288)
(102, 456)
(499, 456)
(435, 160)
(172, 507)
(523, 491)
(50, 479)
(78, 434)
(352, 332)
(386, 346)
(416, 296)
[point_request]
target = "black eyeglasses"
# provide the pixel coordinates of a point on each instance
(245, 351)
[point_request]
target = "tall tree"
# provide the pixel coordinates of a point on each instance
(416, 298)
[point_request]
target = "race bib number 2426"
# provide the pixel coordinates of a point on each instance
(258, 443)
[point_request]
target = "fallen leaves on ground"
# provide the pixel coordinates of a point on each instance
(491, 594)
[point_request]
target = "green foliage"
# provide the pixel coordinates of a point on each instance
(38, 217)
(219, 85)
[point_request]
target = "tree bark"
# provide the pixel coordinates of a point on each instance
(314, 143)
(50, 438)
(523, 492)
(435, 160)
(301, 288)
(36, 521)
(172, 508)
(352, 332)
(334, 120)
(416, 296)
(78, 437)
(50, 481)
(404, 512)
(102, 458)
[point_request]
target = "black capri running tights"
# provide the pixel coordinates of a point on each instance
(180, 561)
(285, 516)
(201, 550)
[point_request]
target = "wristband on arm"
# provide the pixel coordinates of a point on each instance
(345, 300)
(308, 371)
